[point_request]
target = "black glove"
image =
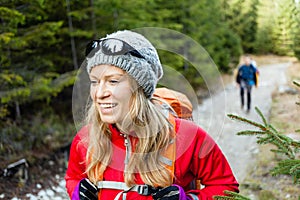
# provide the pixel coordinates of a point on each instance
(87, 190)
(173, 192)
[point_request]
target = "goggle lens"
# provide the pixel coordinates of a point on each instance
(111, 46)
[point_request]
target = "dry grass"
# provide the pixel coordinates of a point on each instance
(285, 112)
(261, 185)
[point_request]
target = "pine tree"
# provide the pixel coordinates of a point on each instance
(278, 27)
(217, 37)
(263, 40)
(10, 19)
(35, 69)
(283, 37)
(242, 19)
(296, 31)
(30, 43)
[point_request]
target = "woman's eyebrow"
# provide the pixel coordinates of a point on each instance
(93, 76)
(108, 75)
(112, 75)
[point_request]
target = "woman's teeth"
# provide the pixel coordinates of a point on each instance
(108, 105)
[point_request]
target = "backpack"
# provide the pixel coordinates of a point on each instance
(178, 103)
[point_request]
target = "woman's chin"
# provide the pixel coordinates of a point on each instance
(109, 120)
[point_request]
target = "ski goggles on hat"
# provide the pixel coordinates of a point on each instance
(111, 46)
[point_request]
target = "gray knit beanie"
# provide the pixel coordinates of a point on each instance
(146, 71)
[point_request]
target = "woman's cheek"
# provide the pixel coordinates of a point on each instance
(92, 93)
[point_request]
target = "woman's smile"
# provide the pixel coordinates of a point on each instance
(107, 108)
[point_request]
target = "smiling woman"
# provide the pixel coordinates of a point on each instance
(130, 147)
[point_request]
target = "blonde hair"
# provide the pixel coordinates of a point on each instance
(152, 129)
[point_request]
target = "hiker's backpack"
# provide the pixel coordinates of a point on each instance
(178, 102)
(180, 106)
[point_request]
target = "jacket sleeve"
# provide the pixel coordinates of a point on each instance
(206, 163)
(76, 166)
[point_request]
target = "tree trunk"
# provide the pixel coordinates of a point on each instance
(18, 112)
(74, 55)
(93, 17)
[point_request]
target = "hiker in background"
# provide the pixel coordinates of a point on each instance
(246, 78)
(130, 148)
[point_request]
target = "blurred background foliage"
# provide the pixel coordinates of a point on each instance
(42, 45)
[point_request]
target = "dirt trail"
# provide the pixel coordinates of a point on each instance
(240, 150)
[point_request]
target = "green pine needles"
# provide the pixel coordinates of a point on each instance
(231, 196)
(286, 146)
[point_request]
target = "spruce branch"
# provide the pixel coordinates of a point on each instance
(247, 121)
(261, 116)
(268, 134)
(272, 128)
(288, 167)
(231, 196)
(284, 145)
(250, 132)
(296, 83)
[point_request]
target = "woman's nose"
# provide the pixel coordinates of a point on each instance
(102, 91)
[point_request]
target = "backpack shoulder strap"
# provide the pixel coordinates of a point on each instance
(169, 155)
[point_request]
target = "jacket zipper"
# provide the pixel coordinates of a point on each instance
(127, 145)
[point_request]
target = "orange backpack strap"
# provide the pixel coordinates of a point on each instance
(169, 155)
(99, 175)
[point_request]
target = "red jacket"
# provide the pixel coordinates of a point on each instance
(198, 156)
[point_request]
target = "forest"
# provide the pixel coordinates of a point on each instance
(42, 44)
